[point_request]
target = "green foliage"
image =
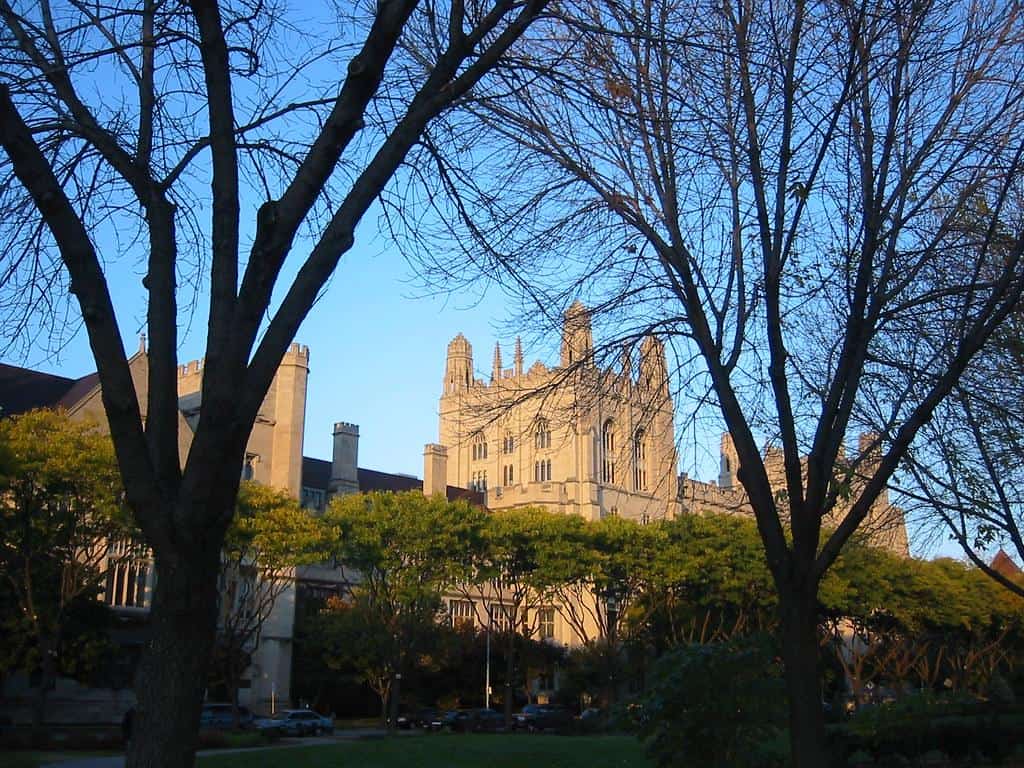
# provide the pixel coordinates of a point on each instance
(62, 497)
(269, 535)
(897, 620)
(955, 726)
(709, 581)
(404, 550)
(715, 705)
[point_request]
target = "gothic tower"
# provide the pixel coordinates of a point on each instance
(577, 338)
(458, 373)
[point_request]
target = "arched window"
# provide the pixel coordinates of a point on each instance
(608, 452)
(542, 471)
(639, 461)
(508, 445)
(479, 450)
(479, 482)
(249, 467)
(542, 437)
(507, 475)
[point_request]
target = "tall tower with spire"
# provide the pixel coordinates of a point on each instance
(458, 372)
(577, 337)
(594, 445)
(496, 365)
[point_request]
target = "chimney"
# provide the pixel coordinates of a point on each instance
(345, 460)
(435, 469)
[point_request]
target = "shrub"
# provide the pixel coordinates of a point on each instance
(715, 705)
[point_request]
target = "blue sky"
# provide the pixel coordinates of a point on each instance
(377, 354)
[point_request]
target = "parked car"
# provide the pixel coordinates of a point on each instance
(487, 721)
(542, 717)
(296, 722)
(218, 715)
(420, 718)
(458, 720)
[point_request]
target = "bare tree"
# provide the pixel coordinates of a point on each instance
(777, 188)
(137, 134)
(963, 478)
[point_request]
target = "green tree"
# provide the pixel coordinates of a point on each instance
(709, 582)
(400, 553)
(917, 624)
(269, 537)
(223, 134)
(355, 638)
(61, 508)
(505, 582)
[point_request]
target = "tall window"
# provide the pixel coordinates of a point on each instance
(542, 471)
(460, 612)
(249, 467)
(128, 569)
(479, 449)
(478, 482)
(508, 445)
(502, 617)
(507, 475)
(608, 452)
(542, 437)
(126, 584)
(546, 623)
(639, 461)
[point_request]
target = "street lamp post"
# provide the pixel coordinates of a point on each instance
(486, 674)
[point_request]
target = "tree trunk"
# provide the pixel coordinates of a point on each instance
(510, 659)
(799, 633)
(396, 685)
(47, 680)
(172, 671)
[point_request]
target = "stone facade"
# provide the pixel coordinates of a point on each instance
(273, 457)
(574, 439)
(590, 441)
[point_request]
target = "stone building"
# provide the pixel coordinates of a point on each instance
(574, 439)
(273, 457)
(593, 441)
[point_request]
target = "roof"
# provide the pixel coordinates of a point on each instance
(372, 480)
(1004, 566)
(316, 473)
(22, 389)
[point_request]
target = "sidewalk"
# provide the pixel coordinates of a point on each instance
(117, 761)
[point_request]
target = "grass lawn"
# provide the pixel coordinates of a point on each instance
(450, 751)
(30, 758)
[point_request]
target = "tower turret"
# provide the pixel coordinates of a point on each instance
(496, 365)
(730, 463)
(577, 338)
(653, 367)
(458, 372)
(518, 358)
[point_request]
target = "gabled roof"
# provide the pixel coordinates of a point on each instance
(1003, 565)
(372, 480)
(22, 389)
(316, 473)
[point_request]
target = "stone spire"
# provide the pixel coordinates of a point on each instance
(577, 340)
(519, 357)
(458, 375)
(496, 369)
